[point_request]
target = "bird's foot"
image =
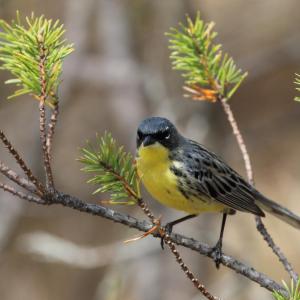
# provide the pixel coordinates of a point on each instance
(167, 230)
(217, 254)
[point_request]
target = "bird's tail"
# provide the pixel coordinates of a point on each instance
(279, 211)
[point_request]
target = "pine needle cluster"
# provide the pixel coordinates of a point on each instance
(208, 73)
(293, 291)
(23, 47)
(113, 170)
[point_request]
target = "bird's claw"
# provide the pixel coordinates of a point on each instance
(166, 230)
(217, 254)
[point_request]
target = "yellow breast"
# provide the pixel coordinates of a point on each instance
(153, 166)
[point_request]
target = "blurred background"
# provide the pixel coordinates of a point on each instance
(120, 74)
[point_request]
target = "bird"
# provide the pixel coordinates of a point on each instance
(182, 174)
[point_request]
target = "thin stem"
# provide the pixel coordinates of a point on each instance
(51, 131)
(43, 98)
(147, 211)
(239, 139)
(21, 195)
(175, 252)
(21, 162)
(287, 265)
(186, 269)
(259, 224)
(126, 185)
(22, 182)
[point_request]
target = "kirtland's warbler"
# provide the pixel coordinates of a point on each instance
(182, 174)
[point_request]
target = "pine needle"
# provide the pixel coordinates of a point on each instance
(19, 53)
(113, 170)
(208, 73)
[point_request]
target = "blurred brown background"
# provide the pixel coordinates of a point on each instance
(120, 74)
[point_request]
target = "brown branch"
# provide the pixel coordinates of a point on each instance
(98, 210)
(51, 127)
(259, 224)
(21, 162)
(21, 195)
(43, 98)
(22, 182)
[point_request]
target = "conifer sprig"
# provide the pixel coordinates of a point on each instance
(208, 73)
(20, 48)
(113, 169)
(293, 291)
(297, 83)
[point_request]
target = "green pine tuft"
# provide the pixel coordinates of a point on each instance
(20, 54)
(293, 291)
(113, 170)
(208, 73)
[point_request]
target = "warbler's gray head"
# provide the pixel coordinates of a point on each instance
(158, 130)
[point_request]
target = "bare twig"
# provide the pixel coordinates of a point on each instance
(51, 131)
(146, 210)
(239, 138)
(22, 182)
(259, 224)
(43, 98)
(21, 162)
(186, 269)
(21, 195)
(174, 251)
(287, 265)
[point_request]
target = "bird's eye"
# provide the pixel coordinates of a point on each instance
(163, 135)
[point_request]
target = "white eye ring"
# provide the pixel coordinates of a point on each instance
(167, 137)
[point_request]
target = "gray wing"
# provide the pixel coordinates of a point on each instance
(215, 179)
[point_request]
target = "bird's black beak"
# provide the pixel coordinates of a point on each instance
(148, 140)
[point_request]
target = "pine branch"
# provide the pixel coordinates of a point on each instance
(211, 76)
(208, 73)
(113, 170)
(190, 243)
(33, 54)
(20, 48)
